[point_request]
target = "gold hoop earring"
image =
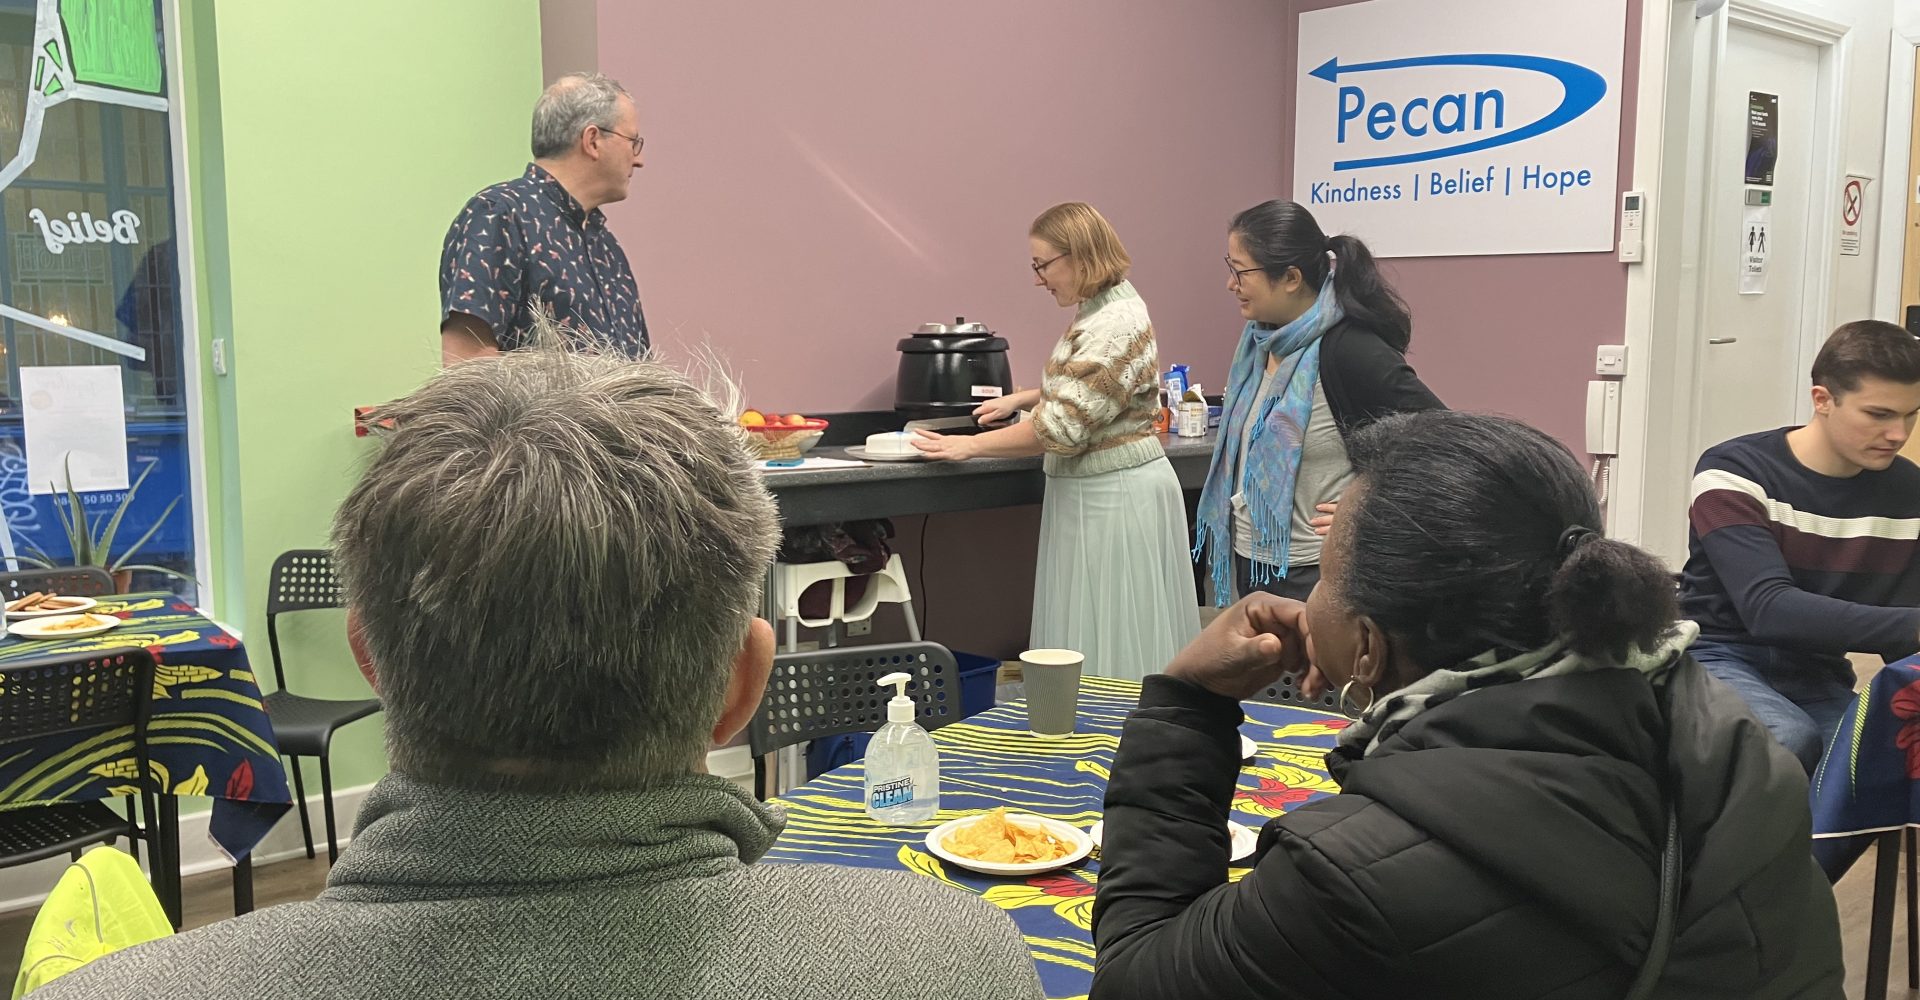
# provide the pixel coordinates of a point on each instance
(1358, 709)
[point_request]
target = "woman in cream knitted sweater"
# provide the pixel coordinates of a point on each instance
(1113, 581)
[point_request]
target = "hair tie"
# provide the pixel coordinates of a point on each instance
(1333, 262)
(1574, 537)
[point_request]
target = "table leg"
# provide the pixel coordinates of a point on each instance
(243, 885)
(166, 859)
(1886, 871)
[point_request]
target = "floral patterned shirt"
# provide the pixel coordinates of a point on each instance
(525, 244)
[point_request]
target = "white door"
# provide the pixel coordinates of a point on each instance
(1753, 350)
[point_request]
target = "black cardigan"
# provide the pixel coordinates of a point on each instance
(1503, 844)
(1365, 379)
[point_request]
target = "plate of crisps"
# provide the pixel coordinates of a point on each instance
(1003, 843)
(1244, 840)
(63, 626)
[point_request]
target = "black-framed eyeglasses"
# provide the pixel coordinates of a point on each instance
(1236, 272)
(1041, 265)
(638, 141)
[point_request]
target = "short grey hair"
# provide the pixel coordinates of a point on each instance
(554, 560)
(566, 108)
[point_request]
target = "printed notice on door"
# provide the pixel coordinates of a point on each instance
(1763, 136)
(1754, 250)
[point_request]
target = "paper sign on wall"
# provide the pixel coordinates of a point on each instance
(1465, 127)
(1755, 222)
(1853, 211)
(74, 418)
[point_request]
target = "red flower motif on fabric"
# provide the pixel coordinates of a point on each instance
(1335, 724)
(1906, 705)
(1276, 794)
(223, 640)
(183, 607)
(1063, 886)
(158, 652)
(240, 782)
(122, 615)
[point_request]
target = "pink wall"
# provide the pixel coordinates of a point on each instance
(822, 178)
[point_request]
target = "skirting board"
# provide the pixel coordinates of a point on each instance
(26, 886)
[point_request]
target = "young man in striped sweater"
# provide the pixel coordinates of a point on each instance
(1802, 541)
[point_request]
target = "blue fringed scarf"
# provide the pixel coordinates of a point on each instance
(1272, 466)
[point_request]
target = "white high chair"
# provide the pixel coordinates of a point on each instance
(888, 586)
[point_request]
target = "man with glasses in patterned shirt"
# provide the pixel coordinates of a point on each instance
(539, 242)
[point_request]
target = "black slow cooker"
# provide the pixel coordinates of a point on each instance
(947, 370)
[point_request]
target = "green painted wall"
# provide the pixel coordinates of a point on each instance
(330, 144)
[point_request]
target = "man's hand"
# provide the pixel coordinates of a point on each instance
(1247, 648)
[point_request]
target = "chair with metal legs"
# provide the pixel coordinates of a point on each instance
(303, 580)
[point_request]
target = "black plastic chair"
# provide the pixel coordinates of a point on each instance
(71, 581)
(823, 693)
(54, 695)
(303, 580)
(1287, 692)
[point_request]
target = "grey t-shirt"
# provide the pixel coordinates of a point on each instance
(1324, 474)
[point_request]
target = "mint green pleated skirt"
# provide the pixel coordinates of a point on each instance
(1114, 578)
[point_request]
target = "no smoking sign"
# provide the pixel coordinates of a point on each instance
(1853, 208)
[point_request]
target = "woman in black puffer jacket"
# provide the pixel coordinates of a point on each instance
(1530, 730)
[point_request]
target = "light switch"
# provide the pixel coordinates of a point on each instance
(1611, 360)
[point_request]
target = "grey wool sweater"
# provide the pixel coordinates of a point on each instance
(453, 893)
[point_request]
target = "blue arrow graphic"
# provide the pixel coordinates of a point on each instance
(1582, 89)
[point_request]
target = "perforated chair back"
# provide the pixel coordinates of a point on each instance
(1286, 691)
(50, 695)
(72, 581)
(828, 692)
(301, 580)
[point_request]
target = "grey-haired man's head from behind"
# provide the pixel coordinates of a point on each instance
(554, 564)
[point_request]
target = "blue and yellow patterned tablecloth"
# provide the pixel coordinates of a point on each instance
(991, 760)
(207, 736)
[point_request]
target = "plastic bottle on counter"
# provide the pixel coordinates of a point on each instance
(903, 765)
(1174, 383)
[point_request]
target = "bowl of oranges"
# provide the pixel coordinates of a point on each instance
(776, 436)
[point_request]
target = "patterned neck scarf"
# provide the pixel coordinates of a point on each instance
(1273, 450)
(1386, 716)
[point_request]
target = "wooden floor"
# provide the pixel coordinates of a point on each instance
(210, 898)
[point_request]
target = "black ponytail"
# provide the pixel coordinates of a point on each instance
(1471, 532)
(1607, 596)
(1280, 235)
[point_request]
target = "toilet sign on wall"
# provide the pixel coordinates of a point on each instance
(1466, 127)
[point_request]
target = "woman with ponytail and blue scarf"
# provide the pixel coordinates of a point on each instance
(1322, 355)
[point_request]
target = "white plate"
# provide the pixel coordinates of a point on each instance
(85, 603)
(1082, 845)
(1244, 839)
(1248, 748)
(860, 451)
(36, 628)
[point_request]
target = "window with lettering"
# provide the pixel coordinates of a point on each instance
(90, 287)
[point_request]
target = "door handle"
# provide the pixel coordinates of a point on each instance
(1722, 340)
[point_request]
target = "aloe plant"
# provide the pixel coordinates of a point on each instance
(94, 546)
